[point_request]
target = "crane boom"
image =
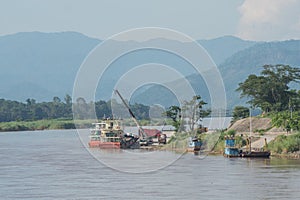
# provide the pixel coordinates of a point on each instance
(141, 130)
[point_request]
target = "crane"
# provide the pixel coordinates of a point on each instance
(142, 135)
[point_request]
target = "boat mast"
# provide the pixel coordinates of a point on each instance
(250, 114)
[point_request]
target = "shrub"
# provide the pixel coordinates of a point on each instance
(285, 144)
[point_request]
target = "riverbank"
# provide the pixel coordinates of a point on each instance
(263, 137)
(50, 124)
(281, 146)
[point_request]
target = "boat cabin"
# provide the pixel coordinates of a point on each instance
(230, 148)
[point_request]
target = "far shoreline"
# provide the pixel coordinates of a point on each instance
(47, 124)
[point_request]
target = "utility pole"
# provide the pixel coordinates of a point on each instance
(250, 114)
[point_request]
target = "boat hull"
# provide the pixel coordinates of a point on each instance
(231, 152)
(104, 145)
(124, 144)
(256, 154)
(192, 149)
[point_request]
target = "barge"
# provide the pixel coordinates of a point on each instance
(108, 134)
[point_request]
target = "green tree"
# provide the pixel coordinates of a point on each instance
(81, 109)
(67, 107)
(287, 120)
(270, 91)
(193, 112)
(174, 112)
(240, 112)
(102, 109)
(294, 101)
(68, 99)
(30, 102)
(56, 100)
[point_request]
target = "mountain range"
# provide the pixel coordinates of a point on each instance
(43, 65)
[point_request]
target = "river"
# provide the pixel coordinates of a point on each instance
(56, 165)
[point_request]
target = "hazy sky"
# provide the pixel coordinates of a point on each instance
(200, 19)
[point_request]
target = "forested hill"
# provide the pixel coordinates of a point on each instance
(223, 48)
(235, 70)
(43, 65)
(250, 61)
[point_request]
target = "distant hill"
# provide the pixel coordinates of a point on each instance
(250, 61)
(235, 70)
(160, 95)
(43, 65)
(224, 47)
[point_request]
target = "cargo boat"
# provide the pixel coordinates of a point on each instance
(108, 134)
(231, 150)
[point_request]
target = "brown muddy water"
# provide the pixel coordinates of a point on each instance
(57, 165)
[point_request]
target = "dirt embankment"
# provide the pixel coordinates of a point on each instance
(258, 124)
(261, 132)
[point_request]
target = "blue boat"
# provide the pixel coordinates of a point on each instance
(230, 149)
(194, 144)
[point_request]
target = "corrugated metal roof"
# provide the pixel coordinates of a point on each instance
(152, 132)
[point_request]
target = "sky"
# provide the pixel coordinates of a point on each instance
(260, 20)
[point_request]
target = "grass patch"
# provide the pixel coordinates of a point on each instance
(285, 144)
(45, 125)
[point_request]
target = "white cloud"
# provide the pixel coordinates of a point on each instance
(269, 20)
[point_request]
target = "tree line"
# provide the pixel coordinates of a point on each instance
(31, 110)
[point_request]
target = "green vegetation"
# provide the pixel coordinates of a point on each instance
(271, 91)
(188, 116)
(179, 141)
(287, 120)
(178, 137)
(211, 141)
(272, 94)
(261, 131)
(240, 112)
(31, 110)
(56, 109)
(18, 116)
(192, 111)
(44, 124)
(239, 140)
(285, 144)
(174, 112)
